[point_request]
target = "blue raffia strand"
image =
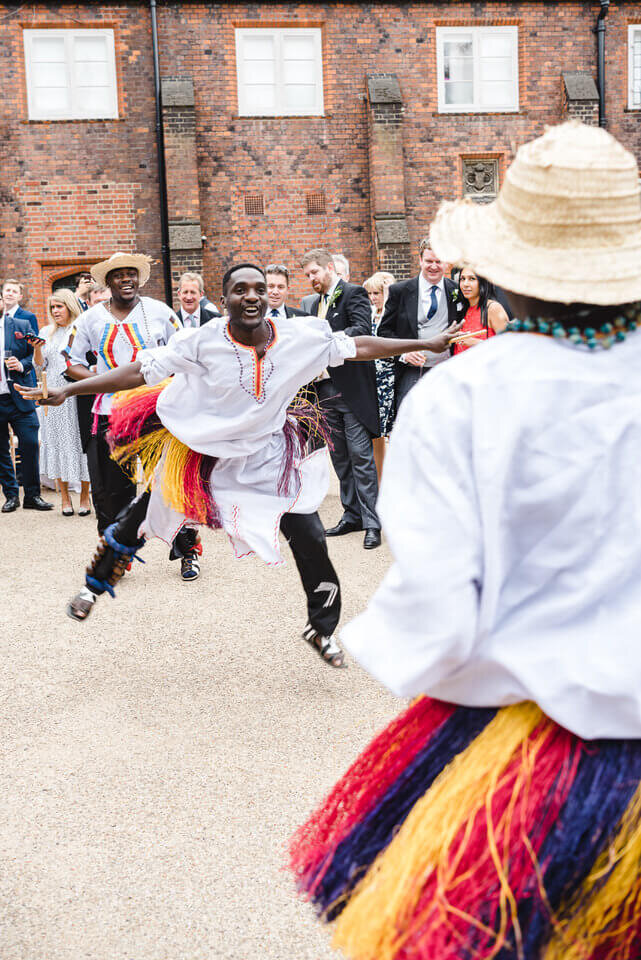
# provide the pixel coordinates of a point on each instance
(99, 586)
(607, 777)
(120, 547)
(358, 850)
(607, 335)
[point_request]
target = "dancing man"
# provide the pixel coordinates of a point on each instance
(500, 815)
(224, 439)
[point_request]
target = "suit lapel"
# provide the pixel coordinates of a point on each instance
(412, 307)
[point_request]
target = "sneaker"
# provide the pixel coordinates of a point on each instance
(190, 566)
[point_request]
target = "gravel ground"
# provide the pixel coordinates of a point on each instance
(157, 758)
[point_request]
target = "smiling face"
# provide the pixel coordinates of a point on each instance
(189, 294)
(469, 284)
(123, 284)
(431, 267)
(276, 289)
(245, 298)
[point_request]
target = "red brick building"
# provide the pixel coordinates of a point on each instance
(285, 125)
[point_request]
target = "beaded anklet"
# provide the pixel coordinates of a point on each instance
(609, 333)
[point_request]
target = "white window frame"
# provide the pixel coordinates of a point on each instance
(77, 111)
(454, 33)
(632, 29)
(244, 107)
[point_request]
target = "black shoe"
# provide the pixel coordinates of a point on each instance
(10, 504)
(343, 526)
(36, 503)
(372, 538)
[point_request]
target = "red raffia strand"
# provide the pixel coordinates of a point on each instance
(469, 900)
(362, 786)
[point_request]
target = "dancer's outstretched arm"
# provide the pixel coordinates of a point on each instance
(379, 348)
(125, 377)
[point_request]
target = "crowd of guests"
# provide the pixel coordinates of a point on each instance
(359, 401)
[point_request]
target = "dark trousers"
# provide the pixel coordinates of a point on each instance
(406, 377)
(306, 538)
(111, 488)
(353, 458)
(26, 427)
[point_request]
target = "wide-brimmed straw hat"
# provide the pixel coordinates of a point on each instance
(566, 225)
(116, 261)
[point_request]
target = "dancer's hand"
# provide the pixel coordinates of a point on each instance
(441, 341)
(53, 399)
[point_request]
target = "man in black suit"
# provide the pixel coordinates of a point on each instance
(420, 307)
(192, 311)
(17, 367)
(277, 276)
(349, 399)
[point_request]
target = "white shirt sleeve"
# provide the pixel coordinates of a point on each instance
(421, 625)
(180, 355)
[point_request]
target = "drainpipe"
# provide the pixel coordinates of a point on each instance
(162, 171)
(600, 58)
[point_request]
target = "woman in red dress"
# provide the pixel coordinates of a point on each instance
(484, 316)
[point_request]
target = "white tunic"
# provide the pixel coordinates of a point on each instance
(227, 403)
(511, 499)
(151, 323)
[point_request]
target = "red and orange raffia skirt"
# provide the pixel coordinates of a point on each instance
(137, 436)
(472, 833)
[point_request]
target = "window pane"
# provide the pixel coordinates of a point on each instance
(258, 48)
(260, 98)
(96, 101)
(50, 49)
(459, 93)
(298, 48)
(298, 71)
(300, 96)
(90, 48)
(496, 69)
(458, 48)
(497, 94)
(494, 45)
(51, 100)
(91, 74)
(458, 69)
(49, 74)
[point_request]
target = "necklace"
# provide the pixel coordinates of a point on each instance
(609, 333)
(126, 319)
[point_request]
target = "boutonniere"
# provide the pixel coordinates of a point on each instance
(338, 292)
(454, 295)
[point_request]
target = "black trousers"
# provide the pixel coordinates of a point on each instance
(306, 538)
(353, 458)
(111, 488)
(26, 428)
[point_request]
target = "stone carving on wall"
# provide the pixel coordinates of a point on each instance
(481, 179)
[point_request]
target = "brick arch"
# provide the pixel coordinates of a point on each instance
(46, 276)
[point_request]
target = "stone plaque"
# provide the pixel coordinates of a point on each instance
(185, 236)
(177, 93)
(481, 179)
(384, 88)
(392, 231)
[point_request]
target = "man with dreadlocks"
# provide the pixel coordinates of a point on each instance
(224, 439)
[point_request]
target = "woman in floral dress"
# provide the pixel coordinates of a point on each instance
(377, 287)
(61, 456)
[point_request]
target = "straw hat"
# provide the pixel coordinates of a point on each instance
(565, 227)
(116, 261)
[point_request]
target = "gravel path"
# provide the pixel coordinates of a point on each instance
(157, 758)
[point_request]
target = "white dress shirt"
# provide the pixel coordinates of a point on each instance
(190, 319)
(437, 323)
(280, 313)
(511, 499)
(4, 387)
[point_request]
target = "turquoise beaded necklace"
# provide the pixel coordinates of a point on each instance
(614, 331)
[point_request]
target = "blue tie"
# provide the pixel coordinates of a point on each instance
(433, 303)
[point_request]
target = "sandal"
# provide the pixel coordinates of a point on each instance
(326, 647)
(82, 604)
(84, 511)
(68, 511)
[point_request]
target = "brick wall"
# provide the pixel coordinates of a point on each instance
(281, 159)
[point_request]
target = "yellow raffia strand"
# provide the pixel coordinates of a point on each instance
(610, 910)
(372, 925)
